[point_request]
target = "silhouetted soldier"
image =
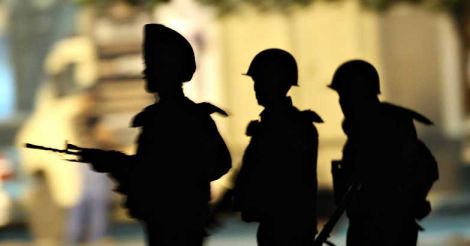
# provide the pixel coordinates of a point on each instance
(383, 154)
(277, 183)
(179, 152)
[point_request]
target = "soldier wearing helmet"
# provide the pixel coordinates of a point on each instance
(356, 75)
(179, 149)
(277, 183)
(381, 154)
(356, 82)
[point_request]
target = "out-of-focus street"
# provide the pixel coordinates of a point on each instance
(443, 229)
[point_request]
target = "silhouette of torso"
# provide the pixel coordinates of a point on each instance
(179, 152)
(277, 182)
(382, 211)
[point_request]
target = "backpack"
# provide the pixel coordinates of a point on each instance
(421, 165)
(425, 172)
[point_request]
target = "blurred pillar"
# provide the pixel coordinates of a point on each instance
(419, 59)
(7, 98)
(451, 75)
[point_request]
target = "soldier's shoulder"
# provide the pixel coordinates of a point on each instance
(252, 128)
(145, 115)
(311, 116)
(209, 108)
(404, 113)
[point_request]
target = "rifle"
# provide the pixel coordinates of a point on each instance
(328, 227)
(340, 188)
(69, 149)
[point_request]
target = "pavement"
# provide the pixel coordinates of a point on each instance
(441, 230)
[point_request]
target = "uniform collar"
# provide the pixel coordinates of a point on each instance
(149, 112)
(281, 107)
(174, 101)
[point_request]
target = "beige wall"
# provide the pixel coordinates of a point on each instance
(414, 50)
(321, 37)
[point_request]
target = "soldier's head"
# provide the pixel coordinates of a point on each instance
(357, 84)
(273, 71)
(168, 57)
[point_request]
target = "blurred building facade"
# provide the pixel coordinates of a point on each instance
(416, 52)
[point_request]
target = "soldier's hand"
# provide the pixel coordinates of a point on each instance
(90, 155)
(100, 160)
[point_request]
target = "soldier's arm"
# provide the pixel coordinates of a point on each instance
(223, 158)
(116, 164)
(310, 140)
(311, 159)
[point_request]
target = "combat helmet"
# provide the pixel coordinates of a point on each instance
(167, 48)
(357, 75)
(274, 63)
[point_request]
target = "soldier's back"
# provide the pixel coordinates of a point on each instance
(376, 145)
(278, 175)
(382, 212)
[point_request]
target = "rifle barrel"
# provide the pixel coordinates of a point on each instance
(39, 147)
(34, 146)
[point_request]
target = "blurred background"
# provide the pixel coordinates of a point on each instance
(71, 70)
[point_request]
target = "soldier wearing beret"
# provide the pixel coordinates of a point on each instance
(179, 149)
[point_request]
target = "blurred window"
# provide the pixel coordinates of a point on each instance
(7, 89)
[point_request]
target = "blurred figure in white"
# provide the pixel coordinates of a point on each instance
(89, 99)
(64, 194)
